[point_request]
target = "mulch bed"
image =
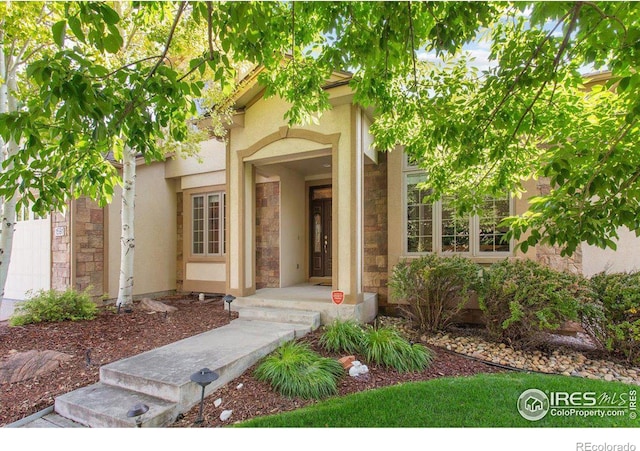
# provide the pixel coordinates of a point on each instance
(115, 336)
(256, 398)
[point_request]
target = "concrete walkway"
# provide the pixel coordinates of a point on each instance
(160, 378)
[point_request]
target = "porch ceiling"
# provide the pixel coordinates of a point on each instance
(305, 167)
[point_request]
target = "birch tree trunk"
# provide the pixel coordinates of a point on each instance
(127, 239)
(7, 206)
(7, 229)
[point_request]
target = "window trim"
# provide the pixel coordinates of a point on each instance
(474, 226)
(204, 193)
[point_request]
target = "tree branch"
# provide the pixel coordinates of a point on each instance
(169, 40)
(527, 65)
(20, 58)
(594, 173)
(26, 57)
(210, 28)
(607, 16)
(293, 33)
(413, 46)
(133, 63)
(565, 42)
(193, 69)
(556, 62)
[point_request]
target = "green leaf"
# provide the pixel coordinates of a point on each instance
(76, 28)
(59, 30)
(112, 43)
(109, 15)
(624, 83)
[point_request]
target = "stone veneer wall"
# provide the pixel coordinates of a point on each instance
(90, 246)
(267, 235)
(88, 227)
(375, 230)
(60, 251)
(180, 239)
(550, 255)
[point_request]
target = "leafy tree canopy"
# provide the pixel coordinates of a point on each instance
(475, 133)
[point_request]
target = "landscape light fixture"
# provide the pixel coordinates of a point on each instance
(203, 378)
(136, 412)
(228, 298)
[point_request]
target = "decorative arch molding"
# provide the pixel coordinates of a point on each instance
(291, 133)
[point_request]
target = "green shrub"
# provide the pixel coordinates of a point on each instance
(433, 290)
(342, 336)
(619, 329)
(52, 306)
(385, 346)
(522, 300)
(294, 370)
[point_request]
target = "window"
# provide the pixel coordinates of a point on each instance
(24, 213)
(436, 227)
(419, 216)
(455, 231)
(492, 238)
(207, 213)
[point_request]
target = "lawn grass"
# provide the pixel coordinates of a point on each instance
(485, 400)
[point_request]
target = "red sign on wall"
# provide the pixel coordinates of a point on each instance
(337, 297)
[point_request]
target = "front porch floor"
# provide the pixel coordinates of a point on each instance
(313, 298)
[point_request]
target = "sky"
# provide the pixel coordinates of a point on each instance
(480, 49)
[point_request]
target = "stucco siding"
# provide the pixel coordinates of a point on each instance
(625, 258)
(155, 232)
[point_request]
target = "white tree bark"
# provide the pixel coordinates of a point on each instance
(8, 221)
(127, 239)
(7, 206)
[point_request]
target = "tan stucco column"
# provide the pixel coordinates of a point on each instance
(347, 213)
(241, 226)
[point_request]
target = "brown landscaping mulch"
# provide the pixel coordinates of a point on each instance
(114, 336)
(255, 398)
(108, 338)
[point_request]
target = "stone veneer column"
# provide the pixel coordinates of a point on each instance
(60, 251)
(267, 235)
(375, 229)
(89, 246)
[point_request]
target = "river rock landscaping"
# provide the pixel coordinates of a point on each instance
(569, 355)
(563, 361)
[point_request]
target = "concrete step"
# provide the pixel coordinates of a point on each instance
(318, 301)
(52, 420)
(104, 406)
(229, 350)
(280, 315)
(299, 330)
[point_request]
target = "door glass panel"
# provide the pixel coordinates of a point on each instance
(317, 233)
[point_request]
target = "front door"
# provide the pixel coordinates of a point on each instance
(320, 209)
